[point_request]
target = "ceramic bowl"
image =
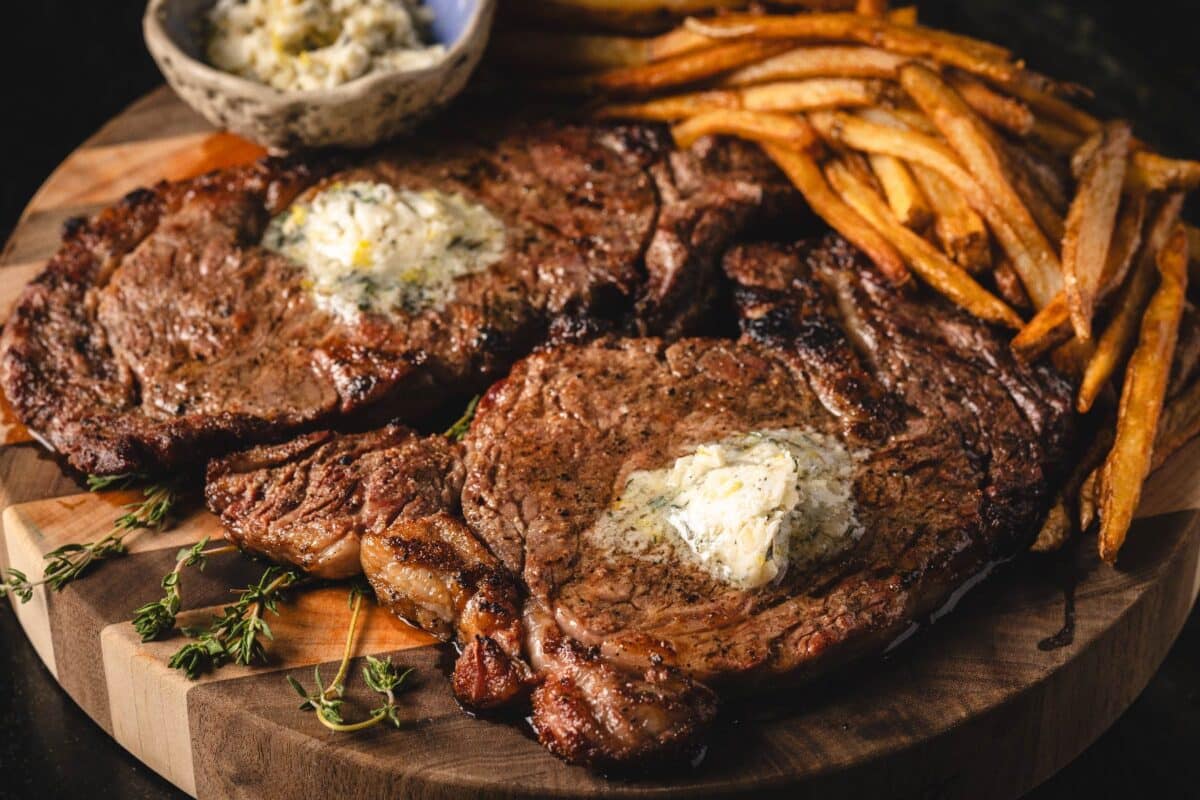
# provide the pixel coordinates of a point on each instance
(359, 113)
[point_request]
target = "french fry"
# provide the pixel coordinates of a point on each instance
(678, 70)
(1151, 172)
(787, 96)
(1058, 138)
(1142, 397)
(1047, 217)
(805, 174)
(903, 195)
(872, 8)
(1041, 272)
(969, 55)
(1004, 112)
(919, 148)
(1055, 530)
(673, 107)
(1090, 225)
(1051, 326)
(585, 52)
(1117, 338)
(905, 15)
(943, 275)
(756, 126)
(958, 228)
(633, 16)
(820, 62)
(1047, 107)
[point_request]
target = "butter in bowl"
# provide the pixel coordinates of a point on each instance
(294, 74)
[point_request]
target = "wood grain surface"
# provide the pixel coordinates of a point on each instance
(969, 707)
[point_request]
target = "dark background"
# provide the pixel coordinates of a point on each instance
(68, 65)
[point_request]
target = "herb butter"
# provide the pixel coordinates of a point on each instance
(370, 247)
(317, 44)
(743, 509)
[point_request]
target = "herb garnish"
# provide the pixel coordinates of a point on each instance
(459, 429)
(380, 674)
(235, 636)
(154, 619)
(71, 561)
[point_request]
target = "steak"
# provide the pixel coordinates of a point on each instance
(162, 332)
(955, 450)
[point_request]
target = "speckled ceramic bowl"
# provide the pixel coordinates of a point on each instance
(360, 113)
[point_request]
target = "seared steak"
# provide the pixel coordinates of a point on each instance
(162, 332)
(954, 446)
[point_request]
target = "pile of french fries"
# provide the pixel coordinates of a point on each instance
(940, 157)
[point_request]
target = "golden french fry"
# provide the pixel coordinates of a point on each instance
(919, 148)
(756, 126)
(872, 8)
(1117, 338)
(1051, 326)
(903, 195)
(1004, 112)
(1047, 217)
(820, 62)
(1089, 500)
(1142, 398)
(1090, 225)
(1151, 172)
(1059, 139)
(1055, 530)
(583, 52)
(935, 269)
(1047, 107)
(678, 70)
(963, 130)
(787, 96)
(959, 229)
(805, 174)
(905, 15)
(969, 55)
(813, 94)
(673, 107)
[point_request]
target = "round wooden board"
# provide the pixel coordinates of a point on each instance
(970, 708)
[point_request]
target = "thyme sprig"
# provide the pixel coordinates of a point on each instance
(459, 429)
(71, 561)
(236, 636)
(380, 674)
(156, 618)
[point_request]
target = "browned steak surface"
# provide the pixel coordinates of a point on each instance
(308, 501)
(954, 438)
(162, 332)
(496, 542)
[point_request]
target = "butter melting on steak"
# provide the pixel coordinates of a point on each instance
(162, 332)
(947, 446)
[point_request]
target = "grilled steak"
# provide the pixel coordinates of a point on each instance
(952, 446)
(162, 332)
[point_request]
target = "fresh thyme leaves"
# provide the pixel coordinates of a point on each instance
(71, 561)
(379, 674)
(100, 483)
(16, 584)
(154, 619)
(236, 636)
(459, 429)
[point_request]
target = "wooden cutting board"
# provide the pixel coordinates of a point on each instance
(977, 704)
